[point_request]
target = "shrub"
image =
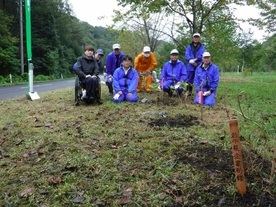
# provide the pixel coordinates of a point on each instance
(2, 80)
(25, 77)
(41, 78)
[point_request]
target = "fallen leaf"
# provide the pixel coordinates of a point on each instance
(100, 203)
(19, 142)
(43, 192)
(47, 124)
(78, 199)
(127, 192)
(96, 151)
(27, 192)
(40, 154)
(203, 142)
(97, 138)
(179, 199)
(55, 181)
(168, 191)
(124, 201)
(162, 196)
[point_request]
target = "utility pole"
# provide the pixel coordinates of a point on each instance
(32, 95)
(21, 36)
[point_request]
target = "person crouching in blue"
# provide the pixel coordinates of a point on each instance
(125, 81)
(173, 74)
(206, 81)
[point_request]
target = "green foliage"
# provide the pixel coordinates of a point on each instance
(267, 59)
(130, 43)
(261, 57)
(18, 79)
(2, 80)
(58, 38)
(268, 12)
(221, 41)
(52, 63)
(8, 61)
(42, 78)
(162, 53)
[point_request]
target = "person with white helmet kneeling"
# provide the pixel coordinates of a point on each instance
(173, 75)
(206, 81)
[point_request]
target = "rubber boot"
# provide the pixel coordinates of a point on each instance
(189, 89)
(110, 89)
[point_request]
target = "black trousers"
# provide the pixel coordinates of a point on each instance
(92, 87)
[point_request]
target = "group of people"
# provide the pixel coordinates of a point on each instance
(124, 80)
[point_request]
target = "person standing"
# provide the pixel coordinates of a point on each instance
(125, 81)
(173, 74)
(206, 81)
(113, 61)
(193, 56)
(145, 64)
(98, 56)
(87, 70)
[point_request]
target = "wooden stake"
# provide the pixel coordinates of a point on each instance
(237, 156)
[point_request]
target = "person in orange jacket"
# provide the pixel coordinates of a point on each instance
(145, 64)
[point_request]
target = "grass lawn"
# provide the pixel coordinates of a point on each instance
(157, 153)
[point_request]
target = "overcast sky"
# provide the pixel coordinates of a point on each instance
(100, 12)
(95, 12)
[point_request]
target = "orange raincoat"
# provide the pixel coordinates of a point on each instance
(143, 64)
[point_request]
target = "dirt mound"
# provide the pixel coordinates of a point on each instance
(217, 164)
(177, 121)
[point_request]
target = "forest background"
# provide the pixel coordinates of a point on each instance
(58, 37)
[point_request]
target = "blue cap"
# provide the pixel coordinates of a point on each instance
(100, 52)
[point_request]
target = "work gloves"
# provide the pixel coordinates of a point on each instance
(110, 79)
(83, 94)
(192, 61)
(116, 96)
(176, 86)
(206, 93)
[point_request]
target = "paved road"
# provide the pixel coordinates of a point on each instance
(17, 91)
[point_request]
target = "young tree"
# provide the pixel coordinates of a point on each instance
(149, 28)
(268, 12)
(194, 14)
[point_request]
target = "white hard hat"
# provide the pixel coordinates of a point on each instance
(146, 49)
(174, 51)
(116, 46)
(196, 35)
(206, 54)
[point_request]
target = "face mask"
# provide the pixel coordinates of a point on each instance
(146, 54)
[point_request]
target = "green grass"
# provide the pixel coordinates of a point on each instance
(55, 154)
(260, 77)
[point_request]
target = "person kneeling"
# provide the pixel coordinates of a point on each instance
(125, 81)
(206, 81)
(173, 74)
